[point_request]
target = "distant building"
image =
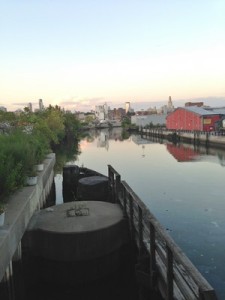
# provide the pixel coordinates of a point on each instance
(2, 108)
(156, 117)
(80, 116)
(30, 106)
(41, 105)
(199, 104)
(116, 113)
(194, 118)
(166, 109)
(144, 120)
(170, 104)
(127, 107)
(152, 111)
(101, 112)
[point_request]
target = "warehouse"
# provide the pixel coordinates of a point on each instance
(144, 120)
(194, 118)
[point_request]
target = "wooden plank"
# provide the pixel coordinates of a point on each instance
(169, 274)
(177, 294)
(184, 281)
(184, 287)
(152, 254)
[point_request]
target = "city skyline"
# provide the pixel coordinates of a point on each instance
(78, 54)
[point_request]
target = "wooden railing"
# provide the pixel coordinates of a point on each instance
(169, 269)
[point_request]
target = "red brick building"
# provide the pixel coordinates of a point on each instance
(194, 118)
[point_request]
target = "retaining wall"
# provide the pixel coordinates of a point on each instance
(19, 210)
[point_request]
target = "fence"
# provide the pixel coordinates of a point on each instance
(168, 270)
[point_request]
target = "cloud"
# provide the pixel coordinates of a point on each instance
(24, 103)
(82, 104)
(20, 104)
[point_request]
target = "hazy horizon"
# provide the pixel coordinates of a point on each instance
(208, 101)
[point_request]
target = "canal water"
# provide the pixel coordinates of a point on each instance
(183, 187)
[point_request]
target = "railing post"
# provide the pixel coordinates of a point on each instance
(118, 183)
(152, 256)
(169, 273)
(207, 139)
(111, 183)
(131, 210)
(124, 201)
(140, 230)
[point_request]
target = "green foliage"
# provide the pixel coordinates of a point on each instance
(17, 159)
(34, 135)
(10, 117)
(89, 119)
(55, 122)
(12, 163)
(72, 126)
(125, 135)
(126, 122)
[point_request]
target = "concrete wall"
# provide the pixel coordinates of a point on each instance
(147, 119)
(19, 210)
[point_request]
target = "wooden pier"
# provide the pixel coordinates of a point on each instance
(163, 265)
(214, 139)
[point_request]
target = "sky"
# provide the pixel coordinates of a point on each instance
(82, 53)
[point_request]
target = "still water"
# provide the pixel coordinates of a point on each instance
(182, 186)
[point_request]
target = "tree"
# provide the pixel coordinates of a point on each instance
(72, 126)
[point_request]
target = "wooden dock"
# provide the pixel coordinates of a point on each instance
(214, 139)
(163, 265)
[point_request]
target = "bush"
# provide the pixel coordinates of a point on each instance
(19, 152)
(12, 164)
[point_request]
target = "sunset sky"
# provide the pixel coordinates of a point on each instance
(81, 53)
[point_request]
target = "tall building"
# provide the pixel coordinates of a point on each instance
(170, 105)
(30, 106)
(101, 112)
(41, 105)
(127, 107)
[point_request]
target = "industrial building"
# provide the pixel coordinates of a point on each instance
(145, 120)
(194, 118)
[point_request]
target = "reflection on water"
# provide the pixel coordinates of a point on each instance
(182, 153)
(189, 152)
(182, 185)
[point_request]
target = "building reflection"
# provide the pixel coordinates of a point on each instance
(103, 139)
(103, 136)
(189, 152)
(182, 153)
(138, 140)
